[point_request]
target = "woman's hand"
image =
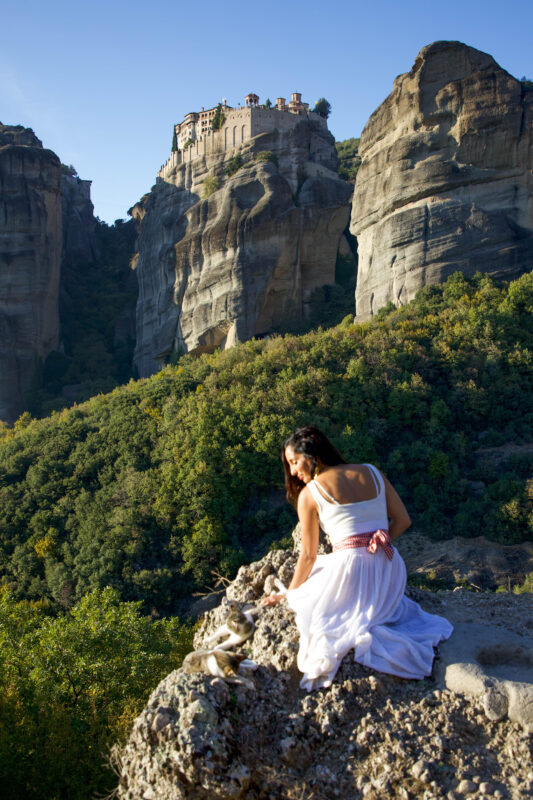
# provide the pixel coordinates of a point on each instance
(273, 599)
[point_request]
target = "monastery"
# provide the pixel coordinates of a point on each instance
(195, 137)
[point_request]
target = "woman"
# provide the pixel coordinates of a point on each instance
(354, 596)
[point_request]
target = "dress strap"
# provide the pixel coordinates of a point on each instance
(319, 493)
(376, 477)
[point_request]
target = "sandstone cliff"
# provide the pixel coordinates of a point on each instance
(446, 179)
(30, 260)
(78, 219)
(224, 258)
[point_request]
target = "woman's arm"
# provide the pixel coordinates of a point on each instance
(399, 519)
(308, 516)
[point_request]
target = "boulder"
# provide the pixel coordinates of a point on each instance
(491, 663)
(446, 179)
(369, 734)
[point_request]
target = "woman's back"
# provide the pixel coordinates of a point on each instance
(351, 500)
(349, 483)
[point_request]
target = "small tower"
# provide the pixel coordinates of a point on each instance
(296, 106)
(281, 104)
(251, 100)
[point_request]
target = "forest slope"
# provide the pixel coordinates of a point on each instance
(151, 487)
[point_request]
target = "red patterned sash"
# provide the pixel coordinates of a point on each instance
(371, 541)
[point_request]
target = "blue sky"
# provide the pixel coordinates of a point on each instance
(102, 83)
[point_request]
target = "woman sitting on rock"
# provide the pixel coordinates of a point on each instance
(354, 596)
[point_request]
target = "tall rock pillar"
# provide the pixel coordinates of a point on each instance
(30, 259)
(446, 180)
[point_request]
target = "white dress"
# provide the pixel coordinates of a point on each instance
(354, 599)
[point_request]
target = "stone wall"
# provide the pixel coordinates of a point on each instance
(239, 126)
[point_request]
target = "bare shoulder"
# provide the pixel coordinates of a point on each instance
(306, 501)
(354, 470)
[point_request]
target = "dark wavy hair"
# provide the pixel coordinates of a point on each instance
(315, 446)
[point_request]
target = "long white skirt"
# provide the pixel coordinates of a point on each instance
(355, 599)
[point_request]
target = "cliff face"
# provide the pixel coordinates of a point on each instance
(78, 220)
(30, 259)
(220, 267)
(446, 179)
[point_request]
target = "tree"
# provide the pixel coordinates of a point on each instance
(69, 170)
(71, 686)
(218, 119)
(268, 103)
(322, 107)
(174, 142)
(349, 159)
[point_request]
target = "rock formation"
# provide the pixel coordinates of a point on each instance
(369, 734)
(222, 258)
(30, 260)
(446, 179)
(78, 219)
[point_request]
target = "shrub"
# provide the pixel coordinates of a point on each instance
(234, 164)
(211, 184)
(267, 155)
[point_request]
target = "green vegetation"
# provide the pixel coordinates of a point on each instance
(188, 143)
(174, 141)
(266, 155)
(349, 160)
(218, 119)
(331, 304)
(151, 487)
(211, 184)
(322, 107)
(71, 686)
(268, 103)
(95, 294)
(234, 164)
(526, 585)
(69, 170)
(139, 494)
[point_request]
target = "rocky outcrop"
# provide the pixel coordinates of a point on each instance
(78, 219)
(30, 260)
(224, 258)
(446, 179)
(369, 734)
